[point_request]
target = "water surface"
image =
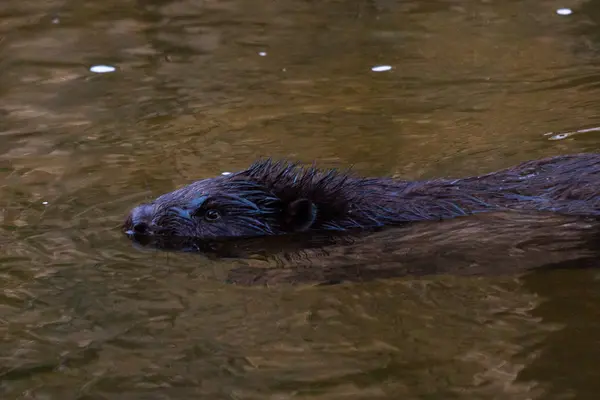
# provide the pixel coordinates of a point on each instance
(202, 87)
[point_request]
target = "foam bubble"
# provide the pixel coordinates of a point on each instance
(102, 69)
(381, 68)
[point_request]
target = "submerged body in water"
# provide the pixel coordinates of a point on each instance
(485, 244)
(277, 198)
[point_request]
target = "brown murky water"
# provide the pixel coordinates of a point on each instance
(202, 87)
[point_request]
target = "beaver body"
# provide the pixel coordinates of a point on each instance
(275, 198)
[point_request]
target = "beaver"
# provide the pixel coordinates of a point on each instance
(280, 197)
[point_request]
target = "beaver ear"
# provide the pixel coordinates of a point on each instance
(299, 215)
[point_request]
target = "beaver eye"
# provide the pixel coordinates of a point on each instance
(212, 215)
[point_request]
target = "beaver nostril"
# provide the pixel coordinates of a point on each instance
(141, 228)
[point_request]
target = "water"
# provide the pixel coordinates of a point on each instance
(204, 87)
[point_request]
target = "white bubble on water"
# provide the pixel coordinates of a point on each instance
(559, 136)
(564, 11)
(262, 53)
(102, 69)
(225, 173)
(381, 68)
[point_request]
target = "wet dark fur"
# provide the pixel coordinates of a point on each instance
(274, 198)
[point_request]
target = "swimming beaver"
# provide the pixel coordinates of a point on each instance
(274, 198)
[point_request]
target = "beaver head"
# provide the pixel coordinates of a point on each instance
(269, 198)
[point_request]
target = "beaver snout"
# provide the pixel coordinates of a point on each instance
(139, 221)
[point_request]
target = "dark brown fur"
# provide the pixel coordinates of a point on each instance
(275, 198)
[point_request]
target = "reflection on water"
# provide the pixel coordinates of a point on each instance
(202, 87)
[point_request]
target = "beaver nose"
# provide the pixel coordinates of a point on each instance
(141, 220)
